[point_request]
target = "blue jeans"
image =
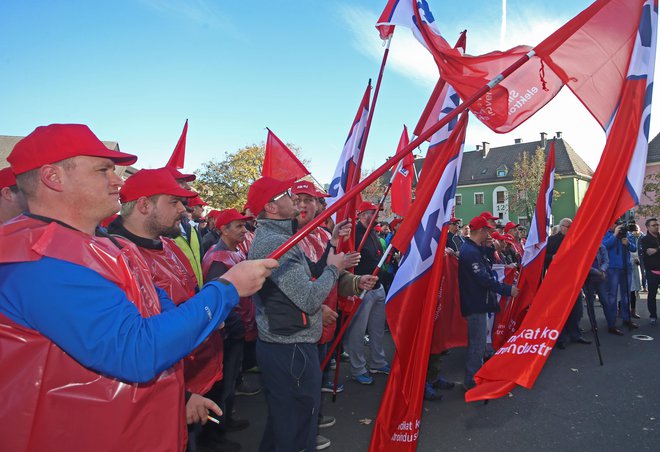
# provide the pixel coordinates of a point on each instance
(369, 317)
(476, 346)
(591, 288)
(616, 281)
(291, 378)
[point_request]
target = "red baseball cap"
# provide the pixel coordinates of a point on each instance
(508, 238)
(178, 175)
(366, 205)
(265, 189)
(303, 187)
(497, 236)
(7, 178)
(196, 201)
(227, 216)
(395, 223)
(150, 182)
(454, 220)
(57, 142)
(479, 222)
(213, 214)
(510, 225)
(488, 216)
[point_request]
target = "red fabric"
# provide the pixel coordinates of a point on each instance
(450, 327)
(314, 245)
(606, 199)
(150, 182)
(501, 318)
(401, 195)
(245, 307)
(280, 162)
(568, 56)
(56, 142)
(177, 160)
(263, 190)
(434, 105)
(107, 414)
(7, 178)
(171, 271)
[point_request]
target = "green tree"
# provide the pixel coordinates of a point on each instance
(650, 202)
(224, 183)
(527, 177)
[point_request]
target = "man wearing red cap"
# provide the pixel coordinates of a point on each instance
(478, 288)
(453, 242)
(81, 319)
(314, 246)
(289, 320)
(240, 326)
(371, 313)
(189, 239)
(12, 201)
(513, 230)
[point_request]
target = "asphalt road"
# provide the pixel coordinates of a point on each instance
(575, 405)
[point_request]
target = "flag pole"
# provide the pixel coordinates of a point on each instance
(355, 190)
(380, 205)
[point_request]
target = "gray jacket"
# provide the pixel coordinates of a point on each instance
(289, 304)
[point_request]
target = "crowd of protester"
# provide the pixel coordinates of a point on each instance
(121, 299)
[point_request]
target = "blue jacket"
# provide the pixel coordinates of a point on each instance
(615, 250)
(477, 284)
(91, 319)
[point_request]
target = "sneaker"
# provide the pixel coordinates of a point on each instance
(381, 370)
(333, 364)
(364, 379)
(322, 442)
(430, 394)
(653, 322)
(344, 357)
(442, 383)
(245, 389)
(330, 386)
(327, 421)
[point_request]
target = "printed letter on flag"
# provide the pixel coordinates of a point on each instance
(614, 189)
(280, 162)
(413, 296)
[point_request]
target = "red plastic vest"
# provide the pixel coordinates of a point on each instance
(313, 245)
(245, 307)
(49, 400)
(171, 271)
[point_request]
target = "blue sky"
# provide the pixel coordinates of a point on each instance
(134, 70)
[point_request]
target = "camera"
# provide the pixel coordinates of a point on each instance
(632, 226)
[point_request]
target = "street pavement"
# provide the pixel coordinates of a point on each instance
(575, 405)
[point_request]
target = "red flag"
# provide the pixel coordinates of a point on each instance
(409, 312)
(433, 107)
(450, 327)
(533, 256)
(179, 154)
(612, 192)
(280, 162)
(403, 179)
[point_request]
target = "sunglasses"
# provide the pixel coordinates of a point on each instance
(282, 195)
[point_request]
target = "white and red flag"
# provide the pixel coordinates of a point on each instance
(401, 194)
(614, 189)
(533, 256)
(412, 298)
(179, 154)
(348, 161)
(280, 162)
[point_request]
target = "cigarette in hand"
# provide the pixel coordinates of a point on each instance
(212, 419)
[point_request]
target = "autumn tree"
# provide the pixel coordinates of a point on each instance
(527, 177)
(650, 202)
(224, 183)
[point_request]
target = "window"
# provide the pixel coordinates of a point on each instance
(502, 171)
(478, 198)
(459, 200)
(500, 197)
(523, 222)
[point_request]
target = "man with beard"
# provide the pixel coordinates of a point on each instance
(289, 320)
(80, 317)
(12, 201)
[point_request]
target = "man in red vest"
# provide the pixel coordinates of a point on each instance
(12, 201)
(80, 318)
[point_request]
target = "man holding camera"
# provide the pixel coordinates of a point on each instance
(650, 253)
(619, 243)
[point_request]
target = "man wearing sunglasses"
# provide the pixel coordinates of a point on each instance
(289, 319)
